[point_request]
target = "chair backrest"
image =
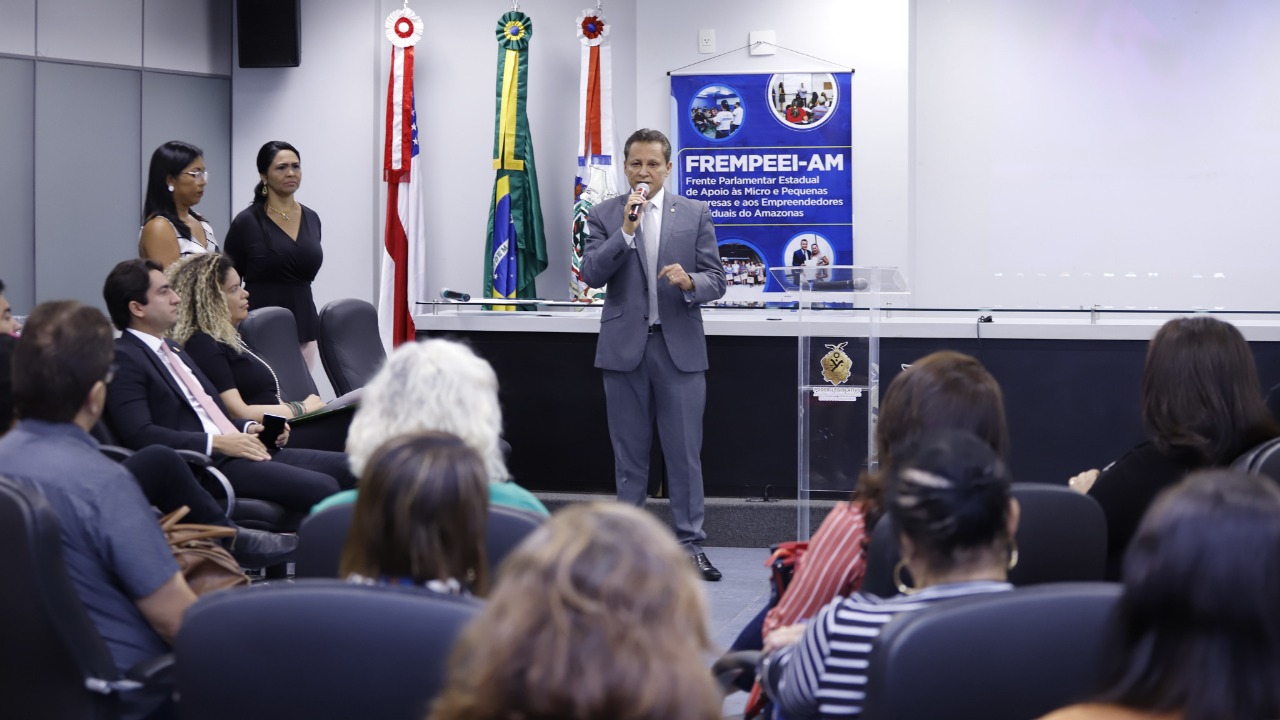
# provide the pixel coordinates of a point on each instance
(350, 345)
(272, 333)
(323, 535)
(321, 648)
(50, 646)
(1263, 459)
(1003, 656)
(321, 538)
(1062, 537)
(506, 528)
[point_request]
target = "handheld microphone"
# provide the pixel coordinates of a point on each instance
(643, 189)
(448, 294)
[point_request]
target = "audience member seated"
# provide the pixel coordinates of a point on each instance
(115, 552)
(599, 616)
(1199, 628)
(435, 385)
(420, 518)
(158, 398)
(950, 500)
(943, 390)
(214, 305)
(1202, 406)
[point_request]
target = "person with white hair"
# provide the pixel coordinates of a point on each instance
(437, 385)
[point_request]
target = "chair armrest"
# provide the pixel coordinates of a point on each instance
(202, 467)
(195, 459)
(156, 672)
(115, 452)
(729, 666)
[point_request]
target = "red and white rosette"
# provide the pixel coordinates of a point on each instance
(404, 28)
(592, 28)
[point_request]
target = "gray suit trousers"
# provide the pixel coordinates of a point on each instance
(658, 389)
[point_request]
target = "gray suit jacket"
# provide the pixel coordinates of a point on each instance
(688, 238)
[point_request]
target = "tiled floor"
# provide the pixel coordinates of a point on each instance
(735, 600)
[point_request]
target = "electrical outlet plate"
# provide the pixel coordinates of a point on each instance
(706, 41)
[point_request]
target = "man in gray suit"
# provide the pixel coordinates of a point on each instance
(657, 253)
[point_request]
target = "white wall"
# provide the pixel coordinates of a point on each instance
(456, 68)
(328, 109)
(1123, 153)
(871, 36)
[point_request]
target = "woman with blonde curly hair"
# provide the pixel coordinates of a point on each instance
(599, 616)
(213, 305)
(436, 385)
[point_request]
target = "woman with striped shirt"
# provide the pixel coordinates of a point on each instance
(949, 497)
(943, 390)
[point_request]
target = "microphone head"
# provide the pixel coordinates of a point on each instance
(643, 188)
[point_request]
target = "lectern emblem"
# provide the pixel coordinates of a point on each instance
(836, 365)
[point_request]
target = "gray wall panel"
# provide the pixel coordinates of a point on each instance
(195, 110)
(101, 31)
(17, 194)
(87, 193)
(188, 35)
(18, 27)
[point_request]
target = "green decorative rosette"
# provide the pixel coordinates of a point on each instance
(514, 30)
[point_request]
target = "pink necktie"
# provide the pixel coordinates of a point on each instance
(188, 378)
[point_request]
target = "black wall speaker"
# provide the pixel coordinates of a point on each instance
(269, 33)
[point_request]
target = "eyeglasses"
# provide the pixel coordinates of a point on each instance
(197, 174)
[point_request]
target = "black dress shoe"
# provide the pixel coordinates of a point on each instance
(259, 548)
(709, 571)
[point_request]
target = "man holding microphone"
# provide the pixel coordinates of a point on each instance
(657, 253)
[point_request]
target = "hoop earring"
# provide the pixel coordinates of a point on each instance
(264, 189)
(170, 188)
(903, 588)
(1013, 554)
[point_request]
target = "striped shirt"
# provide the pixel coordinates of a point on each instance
(825, 674)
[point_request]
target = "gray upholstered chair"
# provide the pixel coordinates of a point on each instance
(350, 346)
(1062, 537)
(52, 659)
(999, 656)
(320, 648)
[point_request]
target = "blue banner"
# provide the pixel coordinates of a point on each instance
(772, 156)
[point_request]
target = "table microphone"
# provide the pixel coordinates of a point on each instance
(448, 294)
(643, 189)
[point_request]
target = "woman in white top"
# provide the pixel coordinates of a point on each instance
(175, 183)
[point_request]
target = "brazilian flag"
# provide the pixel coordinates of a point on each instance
(515, 248)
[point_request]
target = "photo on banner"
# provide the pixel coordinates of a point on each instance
(772, 156)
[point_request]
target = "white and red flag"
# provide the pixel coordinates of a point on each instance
(403, 263)
(597, 172)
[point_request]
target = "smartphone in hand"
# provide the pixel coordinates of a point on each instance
(272, 426)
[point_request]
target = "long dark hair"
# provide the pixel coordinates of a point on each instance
(943, 390)
(1200, 392)
(421, 513)
(266, 154)
(1199, 625)
(168, 161)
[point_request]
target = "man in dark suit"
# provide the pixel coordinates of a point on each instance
(801, 256)
(660, 267)
(158, 398)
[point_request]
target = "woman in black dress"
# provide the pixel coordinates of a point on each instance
(275, 243)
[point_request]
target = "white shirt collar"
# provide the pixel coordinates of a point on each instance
(657, 197)
(152, 341)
